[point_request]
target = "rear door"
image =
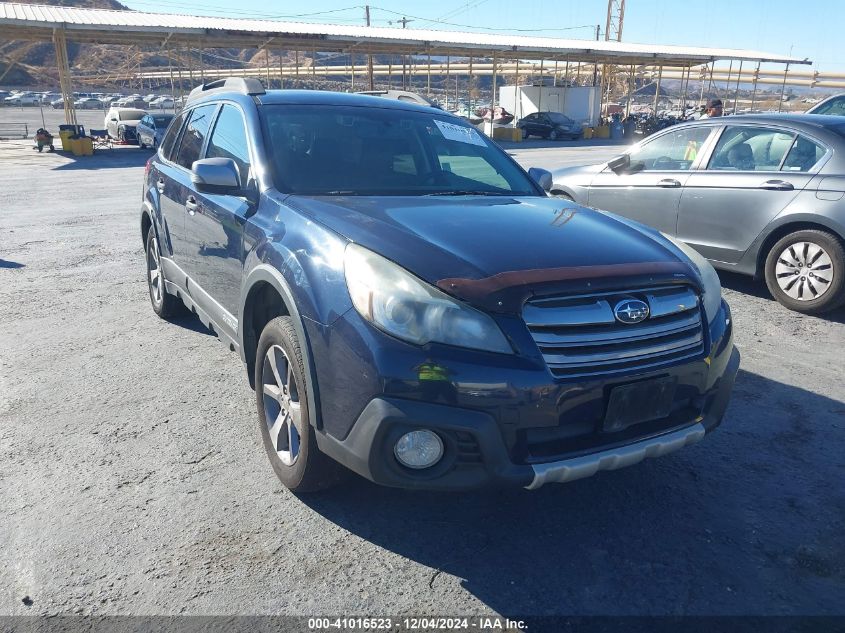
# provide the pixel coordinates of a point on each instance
(173, 179)
(651, 190)
(754, 172)
(214, 257)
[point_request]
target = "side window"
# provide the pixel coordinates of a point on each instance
(747, 148)
(803, 155)
(229, 140)
(195, 132)
(674, 151)
(170, 136)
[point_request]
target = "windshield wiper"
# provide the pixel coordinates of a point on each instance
(465, 192)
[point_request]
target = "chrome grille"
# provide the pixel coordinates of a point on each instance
(579, 335)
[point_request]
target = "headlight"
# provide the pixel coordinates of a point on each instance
(712, 286)
(395, 301)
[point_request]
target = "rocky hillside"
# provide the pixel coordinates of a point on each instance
(33, 64)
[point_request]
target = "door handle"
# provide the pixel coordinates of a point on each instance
(777, 185)
(668, 183)
(191, 205)
(160, 185)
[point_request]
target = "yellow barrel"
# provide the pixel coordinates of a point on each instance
(602, 131)
(82, 146)
(588, 132)
(65, 136)
(86, 145)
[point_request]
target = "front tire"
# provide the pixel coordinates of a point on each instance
(553, 135)
(282, 398)
(805, 271)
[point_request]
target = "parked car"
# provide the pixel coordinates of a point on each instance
(162, 103)
(130, 102)
(402, 95)
(57, 104)
(411, 304)
(22, 99)
(88, 103)
(150, 129)
(832, 105)
(121, 123)
(550, 125)
(762, 195)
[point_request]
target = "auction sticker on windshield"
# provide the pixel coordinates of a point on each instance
(460, 133)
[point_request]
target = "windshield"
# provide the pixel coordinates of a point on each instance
(833, 106)
(348, 150)
(162, 121)
(557, 117)
(131, 115)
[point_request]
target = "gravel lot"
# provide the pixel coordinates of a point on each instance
(134, 481)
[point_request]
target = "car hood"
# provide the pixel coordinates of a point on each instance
(580, 175)
(129, 123)
(495, 252)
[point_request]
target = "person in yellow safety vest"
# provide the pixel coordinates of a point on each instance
(691, 151)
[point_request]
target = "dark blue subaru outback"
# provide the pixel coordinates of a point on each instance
(411, 305)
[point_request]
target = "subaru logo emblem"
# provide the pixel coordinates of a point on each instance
(630, 311)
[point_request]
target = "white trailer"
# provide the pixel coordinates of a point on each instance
(579, 103)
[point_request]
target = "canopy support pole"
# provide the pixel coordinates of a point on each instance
(783, 88)
(60, 45)
(657, 90)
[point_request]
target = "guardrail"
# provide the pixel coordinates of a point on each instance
(13, 130)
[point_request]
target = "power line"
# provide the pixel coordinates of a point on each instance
(229, 11)
(486, 28)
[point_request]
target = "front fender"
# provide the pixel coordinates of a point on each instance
(265, 273)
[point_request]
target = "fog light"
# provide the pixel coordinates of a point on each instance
(419, 449)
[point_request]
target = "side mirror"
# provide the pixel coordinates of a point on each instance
(620, 164)
(542, 177)
(216, 175)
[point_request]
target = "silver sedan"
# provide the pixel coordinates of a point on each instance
(762, 195)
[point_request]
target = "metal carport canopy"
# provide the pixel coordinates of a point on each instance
(38, 22)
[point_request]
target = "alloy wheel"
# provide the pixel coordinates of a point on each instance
(154, 271)
(804, 271)
(282, 410)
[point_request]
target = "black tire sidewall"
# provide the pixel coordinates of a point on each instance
(835, 295)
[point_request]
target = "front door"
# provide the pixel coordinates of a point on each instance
(650, 190)
(214, 257)
(753, 174)
(173, 180)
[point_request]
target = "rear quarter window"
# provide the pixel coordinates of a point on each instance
(170, 136)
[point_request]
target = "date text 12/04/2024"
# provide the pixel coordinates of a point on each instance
(416, 624)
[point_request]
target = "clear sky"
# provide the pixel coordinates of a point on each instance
(806, 28)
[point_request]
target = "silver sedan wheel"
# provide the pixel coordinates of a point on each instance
(155, 274)
(282, 410)
(804, 271)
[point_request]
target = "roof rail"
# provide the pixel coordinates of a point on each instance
(243, 85)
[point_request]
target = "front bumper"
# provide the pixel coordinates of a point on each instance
(510, 424)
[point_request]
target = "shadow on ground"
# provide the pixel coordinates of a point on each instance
(117, 157)
(757, 288)
(5, 263)
(752, 511)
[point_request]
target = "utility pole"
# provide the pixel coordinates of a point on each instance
(369, 55)
(404, 22)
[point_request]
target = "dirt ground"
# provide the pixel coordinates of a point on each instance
(134, 481)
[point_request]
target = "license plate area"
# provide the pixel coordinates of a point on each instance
(639, 402)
